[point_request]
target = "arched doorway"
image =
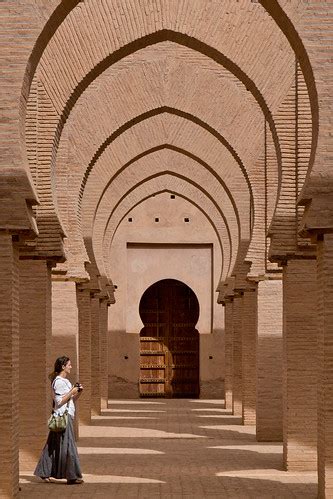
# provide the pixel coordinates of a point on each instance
(169, 342)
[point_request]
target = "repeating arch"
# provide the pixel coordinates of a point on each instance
(197, 43)
(272, 7)
(167, 183)
(151, 113)
(133, 179)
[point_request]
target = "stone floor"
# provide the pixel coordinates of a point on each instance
(174, 449)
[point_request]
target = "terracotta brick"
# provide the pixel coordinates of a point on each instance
(300, 365)
(95, 356)
(224, 104)
(325, 375)
(249, 354)
(84, 310)
(269, 361)
(228, 379)
(35, 350)
(237, 383)
(9, 362)
(104, 330)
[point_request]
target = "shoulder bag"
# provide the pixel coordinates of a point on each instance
(58, 423)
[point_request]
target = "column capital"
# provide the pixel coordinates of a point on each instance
(308, 252)
(317, 198)
(26, 255)
(104, 291)
(226, 290)
(17, 197)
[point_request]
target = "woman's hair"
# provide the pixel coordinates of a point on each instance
(58, 366)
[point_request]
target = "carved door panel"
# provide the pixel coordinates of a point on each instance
(169, 342)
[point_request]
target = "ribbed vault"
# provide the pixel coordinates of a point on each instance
(205, 81)
(179, 186)
(156, 163)
(229, 100)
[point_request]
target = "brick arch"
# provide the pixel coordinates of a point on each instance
(208, 118)
(208, 143)
(154, 168)
(287, 27)
(227, 157)
(180, 151)
(139, 174)
(273, 8)
(64, 9)
(180, 39)
(162, 30)
(165, 183)
(159, 36)
(149, 114)
(137, 198)
(109, 130)
(110, 162)
(108, 170)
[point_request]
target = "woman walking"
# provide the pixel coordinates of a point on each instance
(60, 458)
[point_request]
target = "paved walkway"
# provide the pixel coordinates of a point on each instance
(174, 449)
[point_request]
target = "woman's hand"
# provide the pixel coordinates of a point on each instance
(74, 391)
(77, 391)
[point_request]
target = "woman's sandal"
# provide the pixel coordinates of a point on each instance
(77, 481)
(46, 480)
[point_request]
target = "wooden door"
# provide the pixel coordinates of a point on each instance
(169, 342)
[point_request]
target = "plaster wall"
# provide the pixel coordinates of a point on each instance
(146, 250)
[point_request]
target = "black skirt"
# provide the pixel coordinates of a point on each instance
(60, 458)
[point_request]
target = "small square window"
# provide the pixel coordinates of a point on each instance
(172, 196)
(186, 219)
(130, 219)
(157, 219)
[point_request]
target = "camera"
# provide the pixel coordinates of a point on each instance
(79, 387)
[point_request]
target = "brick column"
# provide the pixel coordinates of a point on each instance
(249, 340)
(237, 390)
(300, 365)
(84, 309)
(325, 366)
(9, 365)
(269, 361)
(35, 363)
(228, 346)
(65, 330)
(104, 309)
(95, 356)
(65, 324)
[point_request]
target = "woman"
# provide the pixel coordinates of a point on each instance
(60, 458)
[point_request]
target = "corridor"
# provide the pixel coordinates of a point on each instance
(173, 449)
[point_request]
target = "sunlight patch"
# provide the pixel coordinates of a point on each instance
(116, 450)
(272, 474)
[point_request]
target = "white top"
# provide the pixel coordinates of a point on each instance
(60, 387)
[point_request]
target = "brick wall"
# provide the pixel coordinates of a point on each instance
(269, 361)
(300, 365)
(35, 362)
(95, 356)
(84, 310)
(325, 367)
(249, 354)
(237, 386)
(228, 378)
(9, 364)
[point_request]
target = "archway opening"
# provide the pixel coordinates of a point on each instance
(169, 341)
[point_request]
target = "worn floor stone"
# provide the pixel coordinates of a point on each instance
(174, 449)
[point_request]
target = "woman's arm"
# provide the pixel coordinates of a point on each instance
(62, 398)
(79, 391)
(72, 393)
